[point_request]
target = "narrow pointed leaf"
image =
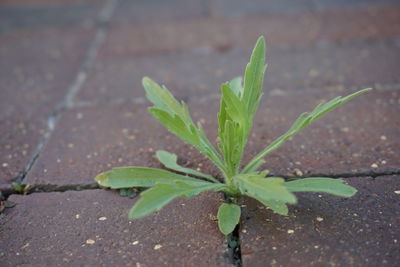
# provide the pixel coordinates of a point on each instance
(304, 120)
(228, 217)
(127, 177)
(169, 160)
(160, 195)
(324, 185)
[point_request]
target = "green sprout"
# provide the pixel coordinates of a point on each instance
(239, 102)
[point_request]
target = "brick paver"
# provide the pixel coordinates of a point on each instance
(199, 73)
(36, 70)
(221, 34)
(94, 139)
(34, 14)
(325, 230)
(92, 228)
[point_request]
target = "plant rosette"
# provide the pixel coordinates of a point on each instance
(240, 99)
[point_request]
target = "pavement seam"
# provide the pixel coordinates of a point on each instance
(38, 188)
(73, 89)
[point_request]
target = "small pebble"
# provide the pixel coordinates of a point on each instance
(102, 218)
(397, 192)
(374, 165)
(135, 242)
(90, 241)
(5, 164)
(290, 231)
(298, 172)
(77, 216)
(158, 246)
(383, 138)
(320, 219)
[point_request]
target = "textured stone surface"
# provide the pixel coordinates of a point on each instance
(92, 228)
(326, 230)
(38, 14)
(198, 73)
(91, 140)
(33, 83)
(221, 34)
(247, 8)
(360, 136)
(143, 11)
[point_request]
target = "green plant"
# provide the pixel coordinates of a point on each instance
(21, 189)
(238, 106)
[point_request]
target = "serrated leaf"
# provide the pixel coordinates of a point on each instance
(319, 184)
(160, 195)
(228, 217)
(169, 160)
(264, 188)
(176, 118)
(304, 120)
(128, 177)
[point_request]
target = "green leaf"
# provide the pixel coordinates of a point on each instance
(128, 177)
(176, 118)
(304, 120)
(275, 205)
(319, 184)
(258, 187)
(254, 77)
(169, 160)
(228, 217)
(160, 195)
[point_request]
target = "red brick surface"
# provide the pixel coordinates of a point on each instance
(289, 30)
(94, 139)
(36, 70)
(199, 73)
(324, 230)
(92, 228)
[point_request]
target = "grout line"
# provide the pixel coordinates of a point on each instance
(87, 63)
(363, 173)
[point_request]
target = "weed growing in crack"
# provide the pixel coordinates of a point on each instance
(239, 102)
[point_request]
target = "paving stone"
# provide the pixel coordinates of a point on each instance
(32, 83)
(361, 136)
(39, 14)
(142, 11)
(323, 230)
(222, 34)
(200, 72)
(91, 140)
(247, 8)
(92, 227)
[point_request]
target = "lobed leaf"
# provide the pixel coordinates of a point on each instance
(176, 118)
(128, 177)
(261, 188)
(325, 185)
(228, 217)
(304, 120)
(160, 195)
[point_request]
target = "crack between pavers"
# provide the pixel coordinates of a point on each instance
(104, 16)
(363, 173)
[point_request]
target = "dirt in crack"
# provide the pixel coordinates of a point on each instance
(234, 253)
